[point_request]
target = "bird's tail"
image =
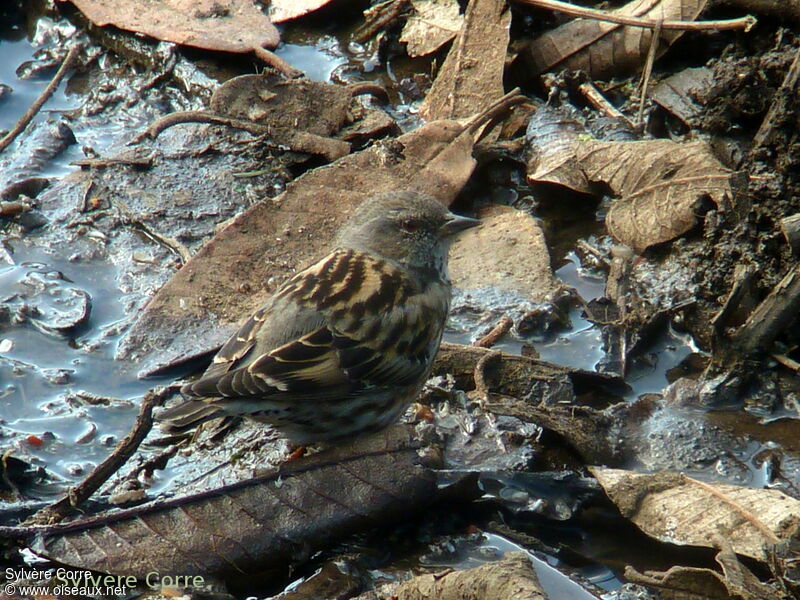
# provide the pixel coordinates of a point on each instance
(186, 415)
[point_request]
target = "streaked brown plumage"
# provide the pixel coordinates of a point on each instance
(346, 344)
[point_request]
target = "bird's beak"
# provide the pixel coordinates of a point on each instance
(457, 223)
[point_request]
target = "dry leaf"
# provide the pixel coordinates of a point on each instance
(472, 74)
(435, 23)
(605, 50)
(508, 251)
(661, 184)
(223, 25)
(680, 510)
(286, 10)
(268, 522)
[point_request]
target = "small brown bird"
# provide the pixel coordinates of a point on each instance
(345, 345)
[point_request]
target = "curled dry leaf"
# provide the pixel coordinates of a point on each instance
(680, 510)
(223, 25)
(605, 50)
(472, 74)
(434, 23)
(267, 522)
(661, 185)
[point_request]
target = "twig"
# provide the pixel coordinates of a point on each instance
(498, 331)
(276, 62)
(787, 362)
(43, 97)
(736, 507)
(479, 374)
(648, 69)
(197, 116)
(100, 474)
(368, 30)
(497, 108)
(596, 99)
(745, 23)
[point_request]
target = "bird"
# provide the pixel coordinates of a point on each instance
(346, 344)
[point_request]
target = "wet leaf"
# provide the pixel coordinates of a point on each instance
(223, 25)
(605, 50)
(434, 23)
(680, 510)
(683, 94)
(229, 277)
(267, 522)
(472, 74)
(508, 251)
(661, 184)
(280, 11)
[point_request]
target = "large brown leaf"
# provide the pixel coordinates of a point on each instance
(230, 276)
(605, 50)
(224, 25)
(660, 183)
(267, 522)
(679, 510)
(472, 74)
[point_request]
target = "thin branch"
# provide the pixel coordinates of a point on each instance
(648, 69)
(276, 62)
(43, 97)
(100, 474)
(497, 332)
(745, 23)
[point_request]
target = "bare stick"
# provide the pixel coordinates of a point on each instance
(648, 69)
(43, 97)
(100, 474)
(390, 13)
(745, 23)
(596, 99)
(498, 331)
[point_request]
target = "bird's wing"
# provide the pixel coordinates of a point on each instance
(371, 329)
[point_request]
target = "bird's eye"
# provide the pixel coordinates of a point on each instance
(409, 225)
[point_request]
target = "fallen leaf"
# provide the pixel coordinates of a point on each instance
(267, 522)
(434, 23)
(661, 185)
(680, 510)
(471, 77)
(508, 251)
(604, 50)
(223, 25)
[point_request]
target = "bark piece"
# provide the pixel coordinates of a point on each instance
(680, 510)
(472, 74)
(224, 25)
(435, 23)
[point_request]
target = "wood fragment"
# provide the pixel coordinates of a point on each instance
(100, 474)
(69, 60)
(790, 227)
(776, 313)
(745, 23)
(780, 103)
(385, 14)
(497, 332)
